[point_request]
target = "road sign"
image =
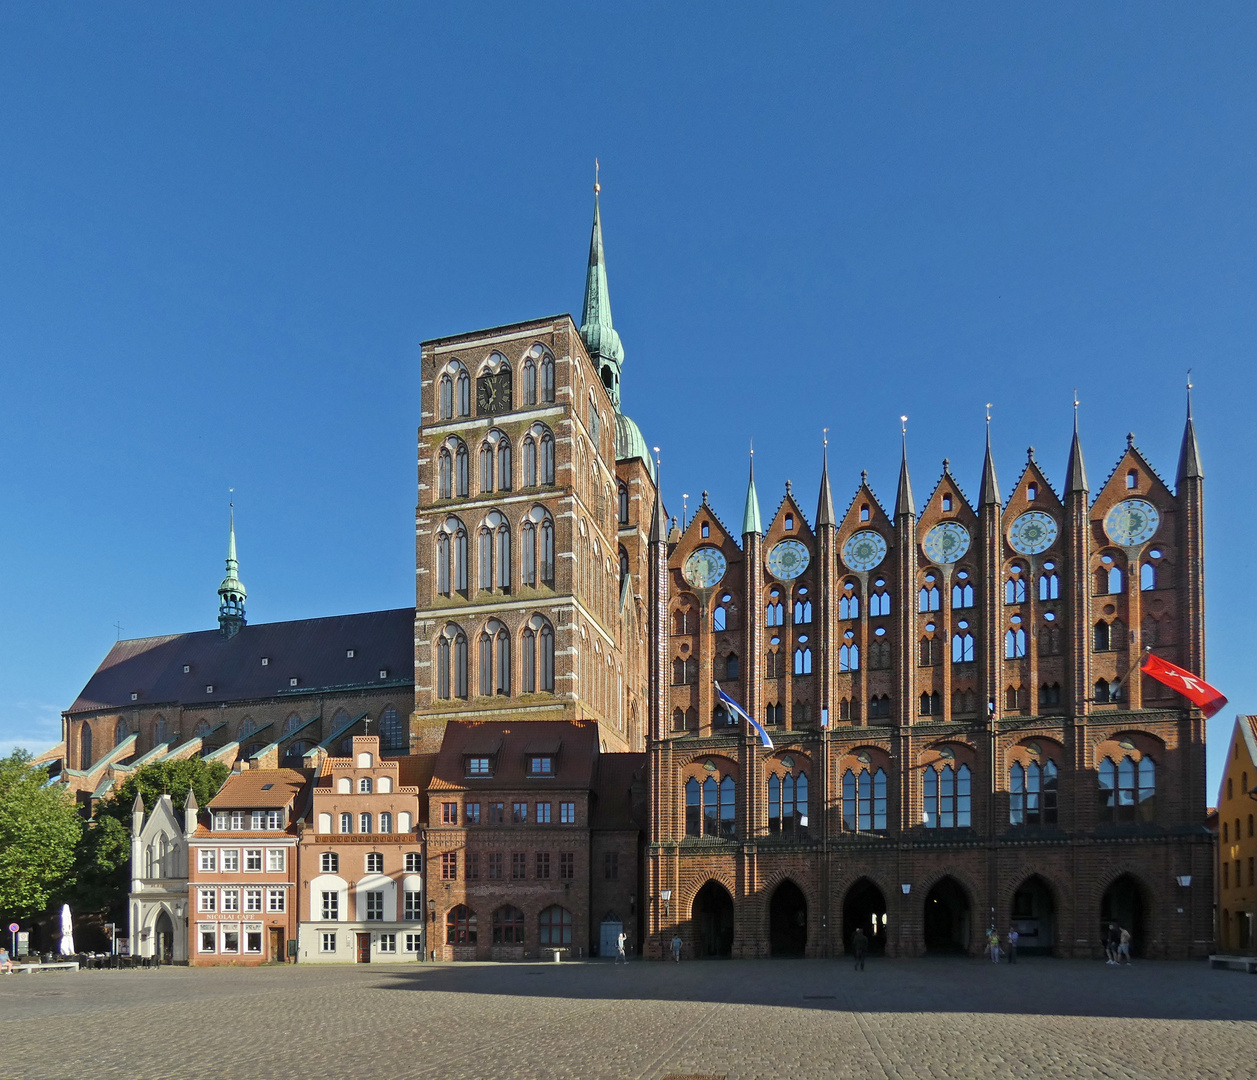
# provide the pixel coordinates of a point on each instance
(13, 928)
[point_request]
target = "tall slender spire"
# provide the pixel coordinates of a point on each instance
(231, 593)
(904, 503)
(1189, 454)
(659, 520)
(1075, 471)
(751, 522)
(825, 505)
(596, 330)
(988, 493)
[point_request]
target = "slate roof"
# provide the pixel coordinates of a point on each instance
(311, 650)
(574, 764)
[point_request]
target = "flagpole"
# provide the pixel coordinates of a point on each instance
(1138, 666)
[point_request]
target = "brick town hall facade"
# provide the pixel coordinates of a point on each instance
(956, 738)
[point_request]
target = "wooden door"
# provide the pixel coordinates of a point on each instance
(364, 949)
(277, 945)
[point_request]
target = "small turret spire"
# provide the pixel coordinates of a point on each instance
(1189, 454)
(1075, 471)
(751, 521)
(904, 503)
(988, 494)
(825, 505)
(659, 520)
(596, 330)
(231, 593)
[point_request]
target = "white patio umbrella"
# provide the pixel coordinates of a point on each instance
(67, 932)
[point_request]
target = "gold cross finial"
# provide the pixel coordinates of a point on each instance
(825, 436)
(988, 413)
(597, 186)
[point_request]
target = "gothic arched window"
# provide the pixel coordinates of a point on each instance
(547, 378)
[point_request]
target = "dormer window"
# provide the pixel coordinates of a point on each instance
(221, 821)
(266, 661)
(541, 765)
(135, 696)
(209, 689)
(383, 673)
(187, 669)
(349, 654)
(292, 681)
(479, 766)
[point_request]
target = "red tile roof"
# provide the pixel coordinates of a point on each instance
(314, 651)
(576, 753)
(260, 789)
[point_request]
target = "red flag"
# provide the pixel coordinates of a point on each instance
(1192, 687)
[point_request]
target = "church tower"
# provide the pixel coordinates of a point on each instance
(535, 502)
(231, 593)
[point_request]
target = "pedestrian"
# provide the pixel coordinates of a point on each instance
(1013, 938)
(620, 957)
(992, 944)
(860, 946)
(6, 964)
(1111, 942)
(1123, 946)
(676, 947)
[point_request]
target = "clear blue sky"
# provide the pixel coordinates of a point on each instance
(225, 229)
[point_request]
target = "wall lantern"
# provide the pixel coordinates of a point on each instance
(666, 896)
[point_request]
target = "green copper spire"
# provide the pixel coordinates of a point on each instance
(751, 522)
(231, 592)
(596, 331)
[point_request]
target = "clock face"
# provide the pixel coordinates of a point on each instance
(864, 550)
(493, 393)
(705, 567)
(788, 560)
(1131, 522)
(946, 542)
(1033, 532)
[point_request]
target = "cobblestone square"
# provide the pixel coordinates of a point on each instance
(928, 1019)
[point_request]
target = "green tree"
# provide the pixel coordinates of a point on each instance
(39, 828)
(103, 859)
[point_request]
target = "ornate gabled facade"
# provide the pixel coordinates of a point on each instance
(958, 738)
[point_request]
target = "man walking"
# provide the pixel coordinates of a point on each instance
(860, 945)
(676, 947)
(620, 957)
(1111, 943)
(992, 944)
(1123, 946)
(1013, 938)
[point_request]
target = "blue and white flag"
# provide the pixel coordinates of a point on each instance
(731, 704)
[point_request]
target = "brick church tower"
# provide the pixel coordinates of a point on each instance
(535, 500)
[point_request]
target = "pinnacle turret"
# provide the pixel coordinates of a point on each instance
(988, 493)
(1189, 454)
(1075, 471)
(825, 504)
(596, 330)
(231, 592)
(904, 503)
(751, 521)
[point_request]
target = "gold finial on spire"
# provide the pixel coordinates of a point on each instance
(597, 186)
(825, 436)
(988, 414)
(903, 425)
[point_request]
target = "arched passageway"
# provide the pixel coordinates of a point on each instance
(164, 939)
(787, 921)
(713, 920)
(865, 906)
(1034, 916)
(1124, 904)
(947, 920)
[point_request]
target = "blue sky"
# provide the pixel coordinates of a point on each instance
(225, 229)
